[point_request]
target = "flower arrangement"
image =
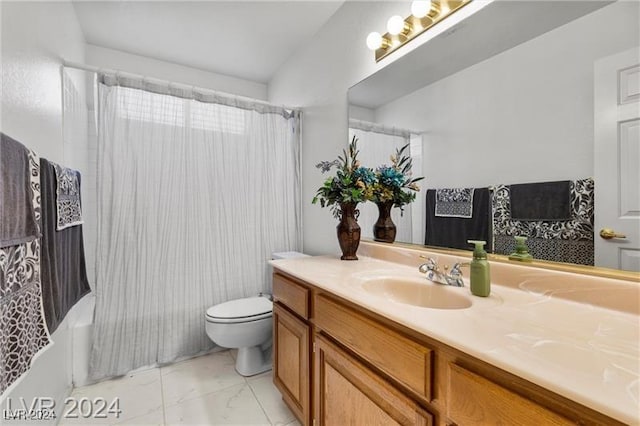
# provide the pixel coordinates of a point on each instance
(350, 183)
(388, 186)
(394, 183)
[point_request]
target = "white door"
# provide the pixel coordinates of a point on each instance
(617, 161)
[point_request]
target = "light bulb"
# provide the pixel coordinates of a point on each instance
(420, 9)
(395, 25)
(374, 41)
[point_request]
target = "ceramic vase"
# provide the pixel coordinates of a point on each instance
(349, 231)
(384, 229)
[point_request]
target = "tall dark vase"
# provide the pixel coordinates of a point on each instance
(384, 229)
(349, 231)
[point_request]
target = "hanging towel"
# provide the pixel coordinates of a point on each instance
(64, 274)
(17, 218)
(23, 332)
(568, 241)
(453, 232)
(69, 211)
(454, 202)
(541, 201)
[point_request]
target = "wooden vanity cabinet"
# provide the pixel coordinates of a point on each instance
(292, 345)
(337, 364)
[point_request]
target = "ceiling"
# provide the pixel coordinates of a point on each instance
(244, 39)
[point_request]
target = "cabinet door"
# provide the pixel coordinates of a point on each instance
(291, 361)
(475, 400)
(348, 393)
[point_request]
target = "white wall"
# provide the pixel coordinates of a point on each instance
(122, 61)
(362, 113)
(524, 115)
(35, 36)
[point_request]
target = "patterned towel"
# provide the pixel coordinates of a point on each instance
(557, 240)
(23, 333)
(67, 198)
(454, 202)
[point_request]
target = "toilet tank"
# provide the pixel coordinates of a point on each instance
(287, 255)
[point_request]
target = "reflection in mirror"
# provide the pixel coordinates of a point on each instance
(509, 96)
(377, 143)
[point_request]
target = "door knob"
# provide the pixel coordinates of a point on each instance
(608, 234)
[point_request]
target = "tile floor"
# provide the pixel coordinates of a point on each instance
(199, 391)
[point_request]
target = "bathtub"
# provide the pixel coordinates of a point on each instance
(81, 330)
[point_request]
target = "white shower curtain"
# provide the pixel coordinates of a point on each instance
(193, 197)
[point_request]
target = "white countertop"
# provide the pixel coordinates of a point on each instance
(586, 353)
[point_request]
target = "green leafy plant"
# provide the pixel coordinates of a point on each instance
(395, 182)
(349, 185)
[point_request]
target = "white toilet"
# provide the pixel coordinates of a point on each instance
(245, 324)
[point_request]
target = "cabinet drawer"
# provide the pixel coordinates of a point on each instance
(350, 393)
(401, 358)
(292, 295)
(473, 399)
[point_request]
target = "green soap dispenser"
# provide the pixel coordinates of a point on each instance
(479, 276)
(522, 251)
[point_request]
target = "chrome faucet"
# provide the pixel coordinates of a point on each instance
(435, 274)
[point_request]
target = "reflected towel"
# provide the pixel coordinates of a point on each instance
(69, 211)
(17, 217)
(453, 232)
(541, 201)
(558, 240)
(454, 202)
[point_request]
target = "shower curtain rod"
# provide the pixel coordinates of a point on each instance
(98, 70)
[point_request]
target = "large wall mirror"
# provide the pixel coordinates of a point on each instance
(518, 98)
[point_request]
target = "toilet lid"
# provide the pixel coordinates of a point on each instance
(249, 308)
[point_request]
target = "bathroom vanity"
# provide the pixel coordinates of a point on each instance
(359, 343)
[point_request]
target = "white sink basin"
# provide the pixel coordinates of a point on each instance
(418, 293)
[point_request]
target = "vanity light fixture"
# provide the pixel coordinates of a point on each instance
(424, 15)
(375, 41)
(396, 25)
(420, 9)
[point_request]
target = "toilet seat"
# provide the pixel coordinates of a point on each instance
(240, 310)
